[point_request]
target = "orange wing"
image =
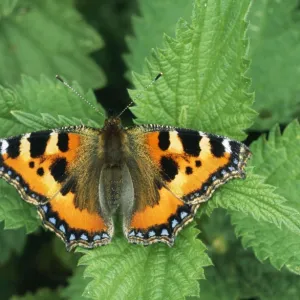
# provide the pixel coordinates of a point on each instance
(76, 227)
(38, 166)
(161, 222)
(189, 165)
(192, 163)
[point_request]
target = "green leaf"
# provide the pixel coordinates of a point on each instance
(69, 260)
(203, 86)
(253, 197)
(41, 294)
(12, 241)
(237, 274)
(76, 286)
(125, 271)
(157, 17)
(275, 47)
(36, 38)
(278, 159)
(42, 121)
(15, 212)
(44, 96)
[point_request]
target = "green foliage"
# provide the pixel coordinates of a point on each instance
(37, 38)
(76, 286)
(44, 96)
(16, 214)
(12, 241)
(41, 294)
(203, 84)
(279, 162)
(236, 273)
(156, 17)
(137, 272)
(275, 47)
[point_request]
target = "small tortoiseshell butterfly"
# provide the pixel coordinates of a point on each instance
(154, 176)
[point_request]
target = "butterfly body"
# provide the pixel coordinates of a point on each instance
(154, 176)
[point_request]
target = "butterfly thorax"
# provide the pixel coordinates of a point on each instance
(113, 141)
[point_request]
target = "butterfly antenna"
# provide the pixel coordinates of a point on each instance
(139, 94)
(80, 96)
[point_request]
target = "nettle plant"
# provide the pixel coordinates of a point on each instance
(243, 243)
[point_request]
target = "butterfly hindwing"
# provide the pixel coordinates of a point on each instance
(192, 163)
(45, 168)
(76, 227)
(160, 222)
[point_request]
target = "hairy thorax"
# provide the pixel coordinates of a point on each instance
(128, 178)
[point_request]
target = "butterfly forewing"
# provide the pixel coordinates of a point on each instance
(193, 164)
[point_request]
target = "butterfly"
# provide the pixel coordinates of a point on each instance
(154, 176)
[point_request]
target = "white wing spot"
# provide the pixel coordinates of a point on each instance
(52, 220)
(174, 223)
(139, 234)
(226, 145)
(62, 228)
(151, 233)
(164, 232)
(72, 237)
(4, 146)
(131, 233)
(183, 214)
(84, 237)
(97, 237)
(45, 208)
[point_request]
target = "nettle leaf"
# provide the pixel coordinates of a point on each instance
(125, 271)
(12, 241)
(41, 294)
(36, 38)
(44, 96)
(15, 212)
(21, 110)
(157, 17)
(237, 274)
(255, 198)
(278, 159)
(275, 46)
(76, 286)
(203, 86)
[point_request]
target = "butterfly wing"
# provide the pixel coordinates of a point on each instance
(193, 164)
(46, 167)
(189, 166)
(160, 222)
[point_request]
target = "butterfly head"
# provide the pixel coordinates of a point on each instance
(113, 124)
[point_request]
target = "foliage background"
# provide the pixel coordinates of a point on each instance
(245, 241)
